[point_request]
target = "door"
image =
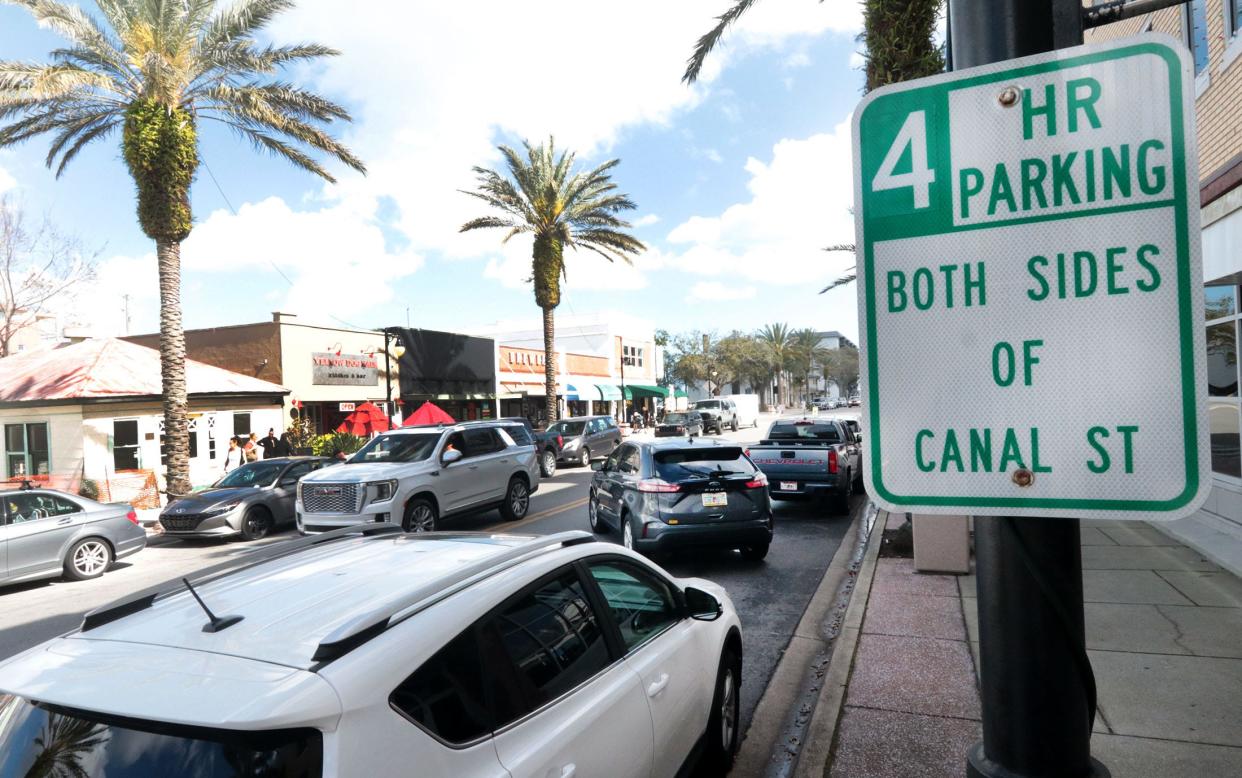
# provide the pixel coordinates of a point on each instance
(286, 490)
(585, 713)
(491, 462)
(625, 477)
(604, 491)
(458, 480)
(39, 525)
(611, 434)
(678, 681)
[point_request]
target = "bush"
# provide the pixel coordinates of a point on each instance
(327, 445)
(89, 489)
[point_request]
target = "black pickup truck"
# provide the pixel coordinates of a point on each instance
(548, 444)
(810, 456)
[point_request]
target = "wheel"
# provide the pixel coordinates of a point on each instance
(627, 532)
(593, 513)
(722, 723)
(755, 553)
(755, 424)
(256, 524)
(547, 463)
(733, 426)
(517, 500)
(584, 458)
(420, 515)
(843, 497)
(87, 558)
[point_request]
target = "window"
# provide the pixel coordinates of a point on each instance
(295, 473)
(1195, 24)
(1221, 331)
(629, 461)
(125, 444)
(30, 506)
(631, 356)
(399, 448)
(520, 435)
(191, 440)
(241, 425)
(641, 604)
(677, 465)
(26, 452)
(1233, 18)
(481, 441)
(553, 639)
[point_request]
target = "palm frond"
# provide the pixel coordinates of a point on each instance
(708, 42)
(485, 222)
(240, 20)
(99, 131)
(842, 281)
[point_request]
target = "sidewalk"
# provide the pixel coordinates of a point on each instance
(1164, 632)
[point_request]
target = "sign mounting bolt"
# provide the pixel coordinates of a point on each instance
(1008, 97)
(1023, 477)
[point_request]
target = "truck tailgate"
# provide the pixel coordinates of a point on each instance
(792, 461)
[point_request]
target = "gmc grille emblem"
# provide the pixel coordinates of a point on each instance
(327, 491)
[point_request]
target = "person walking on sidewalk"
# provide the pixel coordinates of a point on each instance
(232, 457)
(284, 446)
(251, 448)
(268, 444)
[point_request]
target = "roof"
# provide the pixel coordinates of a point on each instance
(293, 603)
(108, 368)
(656, 444)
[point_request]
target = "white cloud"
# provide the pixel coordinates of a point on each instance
(101, 305)
(646, 220)
(799, 59)
(715, 291)
(7, 181)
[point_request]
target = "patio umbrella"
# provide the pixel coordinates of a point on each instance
(428, 413)
(367, 419)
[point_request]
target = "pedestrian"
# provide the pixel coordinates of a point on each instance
(284, 446)
(268, 444)
(232, 457)
(251, 448)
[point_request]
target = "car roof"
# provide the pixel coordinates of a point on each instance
(316, 603)
(661, 444)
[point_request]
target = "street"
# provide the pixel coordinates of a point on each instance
(770, 596)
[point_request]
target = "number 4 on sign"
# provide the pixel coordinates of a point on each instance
(913, 133)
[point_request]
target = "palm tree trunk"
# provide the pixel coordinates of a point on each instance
(549, 363)
(172, 369)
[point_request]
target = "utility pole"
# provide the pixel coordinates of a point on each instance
(125, 297)
(1036, 685)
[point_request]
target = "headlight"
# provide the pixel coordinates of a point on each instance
(573, 443)
(225, 508)
(380, 491)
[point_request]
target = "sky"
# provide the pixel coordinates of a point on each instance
(741, 180)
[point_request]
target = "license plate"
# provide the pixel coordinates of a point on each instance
(789, 486)
(715, 499)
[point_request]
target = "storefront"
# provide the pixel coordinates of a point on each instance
(457, 372)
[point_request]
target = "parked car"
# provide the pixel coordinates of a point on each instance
(418, 476)
(855, 401)
(679, 423)
(547, 443)
(718, 415)
(251, 501)
(587, 437)
(46, 534)
(365, 652)
(745, 409)
(668, 494)
(810, 456)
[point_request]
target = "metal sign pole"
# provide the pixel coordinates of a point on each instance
(1036, 685)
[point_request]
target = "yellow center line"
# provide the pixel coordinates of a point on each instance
(541, 515)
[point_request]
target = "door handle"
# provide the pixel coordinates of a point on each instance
(65, 521)
(474, 467)
(566, 771)
(657, 685)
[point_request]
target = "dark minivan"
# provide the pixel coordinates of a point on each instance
(666, 494)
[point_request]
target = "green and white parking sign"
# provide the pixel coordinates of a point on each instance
(1030, 287)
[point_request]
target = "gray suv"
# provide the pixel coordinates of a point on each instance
(417, 476)
(718, 415)
(586, 438)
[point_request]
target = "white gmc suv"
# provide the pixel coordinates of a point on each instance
(368, 651)
(419, 475)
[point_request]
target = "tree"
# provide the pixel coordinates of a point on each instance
(805, 354)
(542, 196)
(153, 71)
(840, 366)
(37, 265)
(777, 338)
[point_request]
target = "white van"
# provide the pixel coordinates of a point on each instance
(746, 408)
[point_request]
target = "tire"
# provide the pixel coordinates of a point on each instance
(597, 525)
(720, 743)
(255, 524)
(627, 532)
(733, 426)
(88, 558)
(420, 515)
(842, 500)
(755, 553)
(517, 500)
(547, 463)
(584, 458)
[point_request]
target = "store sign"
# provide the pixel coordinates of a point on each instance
(346, 407)
(332, 369)
(1030, 294)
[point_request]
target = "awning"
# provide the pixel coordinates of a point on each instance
(583, 391)
(639, 391)
(681, 393)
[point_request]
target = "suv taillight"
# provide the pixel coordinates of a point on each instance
(760, 481)
(560, 442)
(832, 461)
(657, 485)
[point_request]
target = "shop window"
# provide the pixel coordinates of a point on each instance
(1222, 359)
(1220, 301)
(1220, 304)
(125, 444)
(1233, 18)
(1226, 442)
(1195, 24)
(26, 450)
(241, 425)
(632, 356)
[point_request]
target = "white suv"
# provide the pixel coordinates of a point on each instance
(371, 652)
(416, 476)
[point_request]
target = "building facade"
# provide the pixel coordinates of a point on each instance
(1212, 31)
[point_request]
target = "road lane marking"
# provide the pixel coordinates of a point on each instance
(541, 515)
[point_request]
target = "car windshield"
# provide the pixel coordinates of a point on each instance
(805, 430)
(41, 740)
(707, 404)
(568, 428)
(405, 447)
(676, 418)
(253, 474)
(679, 464)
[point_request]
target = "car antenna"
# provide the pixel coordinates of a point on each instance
(216, 624)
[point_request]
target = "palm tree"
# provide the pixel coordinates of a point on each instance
(542, 196)
(778, 340)
(153, 71)
(806, 354)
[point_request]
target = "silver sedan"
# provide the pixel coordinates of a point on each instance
(46, 534)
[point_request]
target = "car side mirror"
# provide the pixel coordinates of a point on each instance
(858, 437)
(598, 465)
(450, 456)
(287, 483)
(702, 606)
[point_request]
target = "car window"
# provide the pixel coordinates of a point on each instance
(520, 434)
(567, 428)
(613, 459)
(482, 440)
(628, 462)
(608, 424)
(402, 447)
(677, 418)
(597, 426)
(297, 471)
(553, 639)
(252, 474)
(676, 465)
(454, 695)
(641, 604)
(805, 430)
(32, 506)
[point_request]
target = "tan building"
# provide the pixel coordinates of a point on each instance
(1212, 30)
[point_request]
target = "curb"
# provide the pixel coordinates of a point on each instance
(779, 725)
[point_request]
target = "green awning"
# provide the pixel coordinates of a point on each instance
(639, 391)
(608, 392)
(681, 393)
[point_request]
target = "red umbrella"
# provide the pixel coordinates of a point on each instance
(428, 413)
(367, 418)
